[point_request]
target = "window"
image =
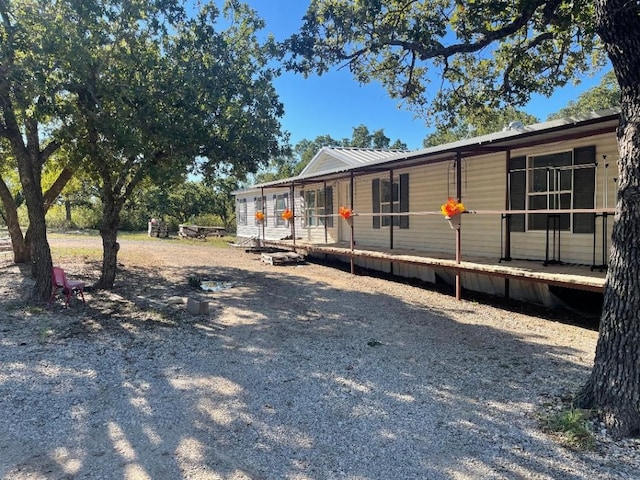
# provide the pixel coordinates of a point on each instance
(259, 203)
(317, 204)
(280, 204)
(550, 183)
(561, 180)
(241, 214)
(389, 201)
(390, 197)
(517, 192)
(313, 207)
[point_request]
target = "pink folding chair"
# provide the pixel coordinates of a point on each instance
(59, 282)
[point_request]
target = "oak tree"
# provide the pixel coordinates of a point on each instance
(161, 91)
(447, 57)
(604, 95)
(33, 108)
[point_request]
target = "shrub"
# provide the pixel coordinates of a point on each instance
(572, 426)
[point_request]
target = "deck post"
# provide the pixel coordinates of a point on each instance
(459, 230)
(507, 206)
(293, 210)
(326, 235)
(392, 218)
(263, 202)
(351, 191)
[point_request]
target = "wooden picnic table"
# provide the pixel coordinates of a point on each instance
(198, 231)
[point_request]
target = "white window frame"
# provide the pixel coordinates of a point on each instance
(281, 200)
(313, 211)
(557, 192)
(258, 204)
(241, 216)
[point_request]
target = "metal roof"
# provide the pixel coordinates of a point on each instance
(351, 156)
(579, 126)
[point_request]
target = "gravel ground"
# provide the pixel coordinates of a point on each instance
(297, 372)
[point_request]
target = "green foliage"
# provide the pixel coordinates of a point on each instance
(140, 91)
(604, 95)
(488, 53)
(572, 426)
(207, 219)
(83, 217)
(489, 122)
(194, 281)
(186, 202)
(362, 138)
(304, 151)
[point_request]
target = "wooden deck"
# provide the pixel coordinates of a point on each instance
(579, 277)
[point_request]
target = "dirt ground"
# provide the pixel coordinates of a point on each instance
(297, 372)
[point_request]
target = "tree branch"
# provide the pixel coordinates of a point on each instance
(506, 83)
(440, 50)
(49, 150)
(54, 190)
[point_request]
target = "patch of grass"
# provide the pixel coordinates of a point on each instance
(34, 310)
(86, 232)
(571, 426)
(217, 242)
(87, 252)
(45, 331)
(195, 281)
(137, 236)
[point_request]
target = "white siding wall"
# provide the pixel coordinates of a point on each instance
(272, 231)
(325, 164)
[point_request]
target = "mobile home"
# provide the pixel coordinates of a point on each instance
(539, 208)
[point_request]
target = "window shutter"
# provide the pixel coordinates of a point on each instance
(303, 209)
(584, 182)
(517, 192)
(287, 206)
(275, 210)
(404, 199)
(584, 155)
(264, 209)
(328, 207)
(375, 201)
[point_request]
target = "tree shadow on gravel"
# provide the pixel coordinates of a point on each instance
(286, 377)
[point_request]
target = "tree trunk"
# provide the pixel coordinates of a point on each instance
(40, 252)
(21, 253)
(614, 385)
(109, 231)
(67, 212)
(30, 171)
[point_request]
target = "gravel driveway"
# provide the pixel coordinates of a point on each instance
(297, 372)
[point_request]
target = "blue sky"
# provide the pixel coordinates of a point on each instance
(335, 102)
